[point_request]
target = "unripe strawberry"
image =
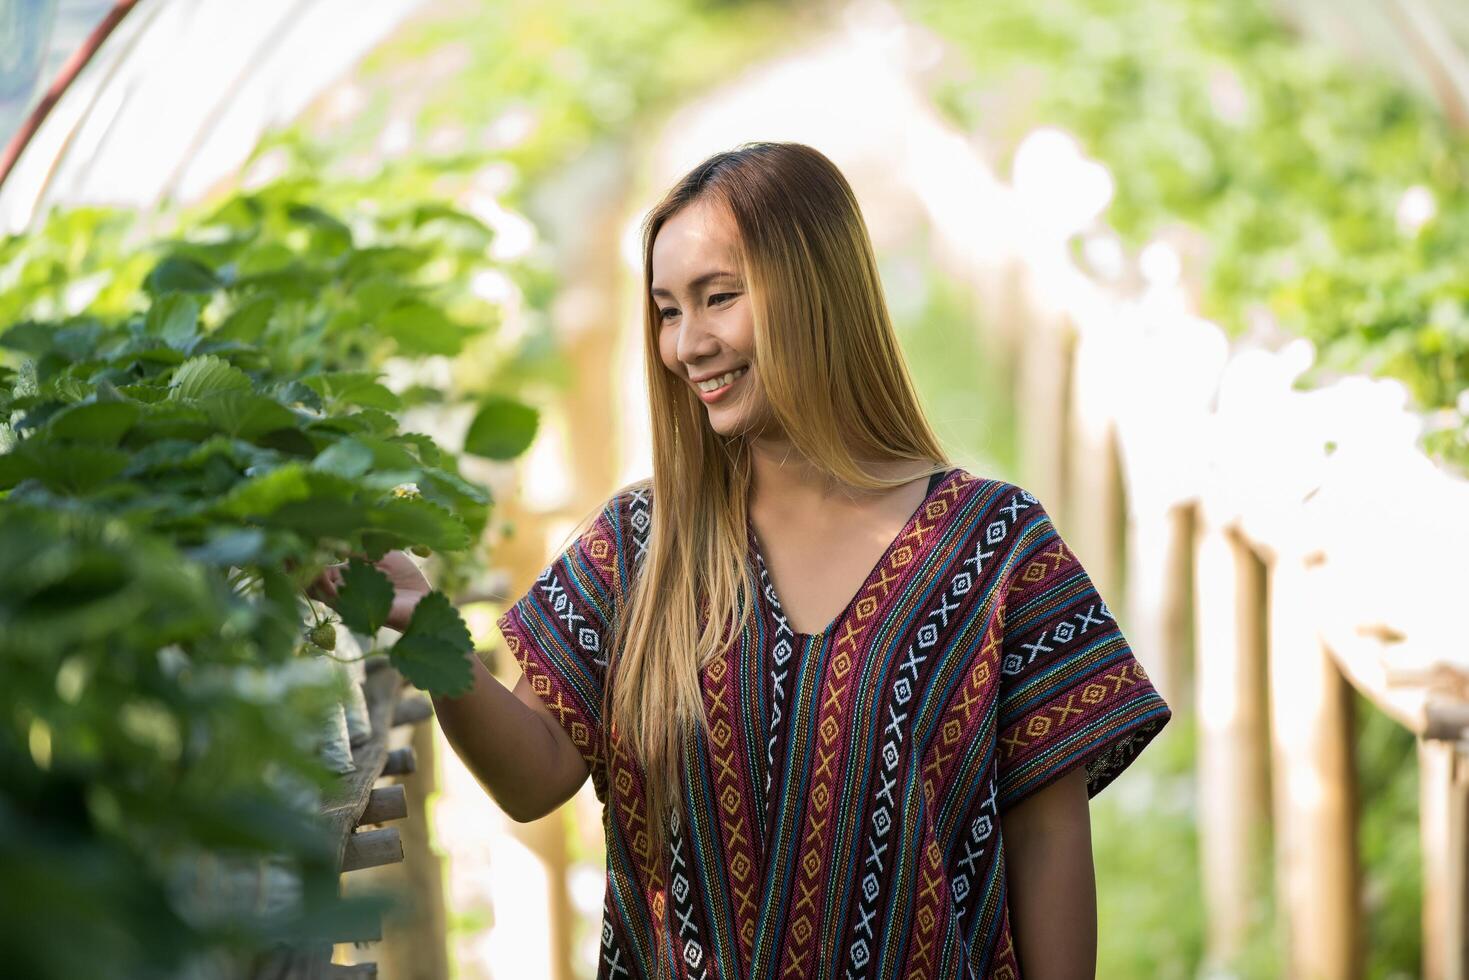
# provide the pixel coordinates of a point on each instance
(323, 635)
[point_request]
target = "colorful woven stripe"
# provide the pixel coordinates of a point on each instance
(841, 817)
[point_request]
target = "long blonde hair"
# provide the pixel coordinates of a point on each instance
(821, 324)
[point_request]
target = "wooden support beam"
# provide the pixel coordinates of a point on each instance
(342, 809)
(1233, 766)
(412, 710)
(1317, 870)
(308, 961)
(1447, 721)
(1045, 379)
(1095, 518)
(1160, 571)
(384, 804)
(1443, 813)
(368, 931)
(371, 848)
(415, 942)
(354, 971)
(400, 761)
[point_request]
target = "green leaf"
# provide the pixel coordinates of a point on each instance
(150, 351)
(388, 454)
(247, 323)
(365, 598)
(174, 319)
(246, 415)
(178, 274)
(373, 420)
(319, 505)
(206, 375)
(65, 469)
(434, 650)
(29, 337)
(418, 521)
(265, 493)
(422, 329)
(103, 423)
(502, 429)
(453, 484)
(354, 388)
(379, 293)
(320, 517)
(174, 420)
(345, 457)
(438, 211)
(230, 546)
(335, 236)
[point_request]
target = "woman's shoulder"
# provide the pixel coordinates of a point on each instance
(986, 491)
(995, 509)
(624, 520)
(628, 506)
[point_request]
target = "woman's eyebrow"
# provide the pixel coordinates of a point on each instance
(696, 283)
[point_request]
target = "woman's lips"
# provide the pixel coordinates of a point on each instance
(709, 397)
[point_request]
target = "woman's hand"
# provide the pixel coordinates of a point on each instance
(409, 586)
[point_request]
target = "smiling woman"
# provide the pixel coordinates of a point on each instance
(712, 345)
(824, 803)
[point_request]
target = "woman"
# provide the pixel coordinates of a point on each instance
(845, 703)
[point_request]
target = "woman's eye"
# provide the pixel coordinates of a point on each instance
(669, 311)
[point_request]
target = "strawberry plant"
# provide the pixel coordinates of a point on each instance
(176, 467)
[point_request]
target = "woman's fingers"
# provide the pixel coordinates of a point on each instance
(324, 589)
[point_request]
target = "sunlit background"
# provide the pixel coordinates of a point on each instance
(1192, 271)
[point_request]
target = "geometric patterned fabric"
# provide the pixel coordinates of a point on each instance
(841, 817)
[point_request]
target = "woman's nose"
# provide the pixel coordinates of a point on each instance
(694, 339)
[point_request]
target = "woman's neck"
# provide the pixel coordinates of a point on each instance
(784, 480)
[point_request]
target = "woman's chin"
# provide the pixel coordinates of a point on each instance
(737, 425)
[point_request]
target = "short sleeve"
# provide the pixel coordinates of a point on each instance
(559, 630)
(1071, 691)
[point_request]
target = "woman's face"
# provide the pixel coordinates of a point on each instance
(706, 329)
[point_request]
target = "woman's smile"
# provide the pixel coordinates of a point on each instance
(722, 385)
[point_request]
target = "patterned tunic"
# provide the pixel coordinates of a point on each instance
(841, 816)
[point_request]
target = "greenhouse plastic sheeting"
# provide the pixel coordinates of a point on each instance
(180, 93)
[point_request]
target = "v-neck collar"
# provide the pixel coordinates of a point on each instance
(846, 610)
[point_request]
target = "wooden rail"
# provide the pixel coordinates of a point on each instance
(1300, 584)
(350, 811)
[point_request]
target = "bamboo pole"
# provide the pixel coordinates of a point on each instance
(400, 762)
(1044, 394)
(371, 848)
(1233, 754)
(415, 946)
(1317, 870)
(1001, 293)
(412, 709)
(352, 971)
(383, 804)
(1159, 573)
(1444, 825)
(1095, 517)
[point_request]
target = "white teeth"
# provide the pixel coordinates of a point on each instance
(715, 383)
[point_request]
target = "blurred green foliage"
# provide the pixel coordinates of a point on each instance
(1326, 193)
(192, 429)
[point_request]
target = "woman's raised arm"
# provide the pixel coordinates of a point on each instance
(508, 739)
